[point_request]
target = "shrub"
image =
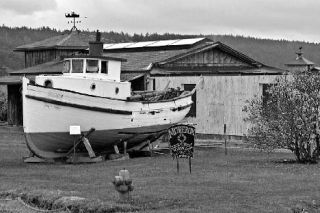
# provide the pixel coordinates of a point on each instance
(289, 118)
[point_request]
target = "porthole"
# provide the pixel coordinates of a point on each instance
(93, 86)
(117, 90)
(47, 83)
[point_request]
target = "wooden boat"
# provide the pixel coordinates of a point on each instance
(90, 94)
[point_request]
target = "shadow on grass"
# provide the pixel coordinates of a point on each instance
(293, 161)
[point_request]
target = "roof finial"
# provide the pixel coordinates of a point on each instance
(299, 53)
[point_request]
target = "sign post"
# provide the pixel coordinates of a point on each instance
(181, 139)
(74, 130)
(225, 139)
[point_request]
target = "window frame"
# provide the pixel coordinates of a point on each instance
(97, 66)
(72, 65)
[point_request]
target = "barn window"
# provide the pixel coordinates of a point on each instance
(193, 110)
(104, 67)
(265, 94)
(77, 66)
(268, 102)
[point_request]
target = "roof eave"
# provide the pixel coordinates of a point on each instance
(25, 49)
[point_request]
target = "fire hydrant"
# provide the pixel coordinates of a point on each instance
(123, 184)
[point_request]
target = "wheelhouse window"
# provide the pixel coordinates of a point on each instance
(77, 66)
(66, 66)
(104, 67)
(92, 66)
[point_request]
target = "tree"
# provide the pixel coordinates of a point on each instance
(289, 117)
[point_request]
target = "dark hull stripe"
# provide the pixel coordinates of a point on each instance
(79, 93)
(79, 106)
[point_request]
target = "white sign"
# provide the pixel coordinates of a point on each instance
(74, 130)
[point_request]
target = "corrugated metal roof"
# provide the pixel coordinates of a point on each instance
(163, 43)
(141, 44)
(160, 43)
(187, 41)
(117, 45)
(138, 61)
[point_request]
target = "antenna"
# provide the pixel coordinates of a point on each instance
(74, 16)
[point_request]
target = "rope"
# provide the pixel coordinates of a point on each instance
(7, 199)
(41, 210)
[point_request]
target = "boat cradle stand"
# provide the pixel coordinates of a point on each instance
(89, 157)
(34, 159)
(145, 148)
(72, 156)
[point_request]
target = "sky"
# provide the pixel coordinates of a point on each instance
(275, 19)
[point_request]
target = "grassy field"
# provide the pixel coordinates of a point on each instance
(242, 181)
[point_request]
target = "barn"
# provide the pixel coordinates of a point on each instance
(230, 78)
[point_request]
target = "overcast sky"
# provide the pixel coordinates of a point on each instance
(278, 19)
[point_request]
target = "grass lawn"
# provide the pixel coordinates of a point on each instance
(242, 181)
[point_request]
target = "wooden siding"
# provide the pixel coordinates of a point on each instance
(221, 100)
(211, 57)
(33, 58)
(14, 105)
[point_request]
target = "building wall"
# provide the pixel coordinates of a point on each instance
(36, 57)
(221, 100)
(14, 105)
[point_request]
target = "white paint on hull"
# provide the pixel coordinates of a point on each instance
(48, 113)
(40, 116)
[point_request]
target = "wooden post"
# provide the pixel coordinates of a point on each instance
(74, 149)
(190, 164)
(150, 148)
(225, 139)
(125, 147)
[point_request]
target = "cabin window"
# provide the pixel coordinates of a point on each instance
(104, 67)
(66, 67)
(77, 66)
(92, 66)
(193, 110)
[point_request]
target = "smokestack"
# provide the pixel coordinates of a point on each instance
(96, 47)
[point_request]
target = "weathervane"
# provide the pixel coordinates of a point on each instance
(73, 15)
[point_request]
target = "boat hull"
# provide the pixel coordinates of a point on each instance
(49, 113)
(57, 144)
